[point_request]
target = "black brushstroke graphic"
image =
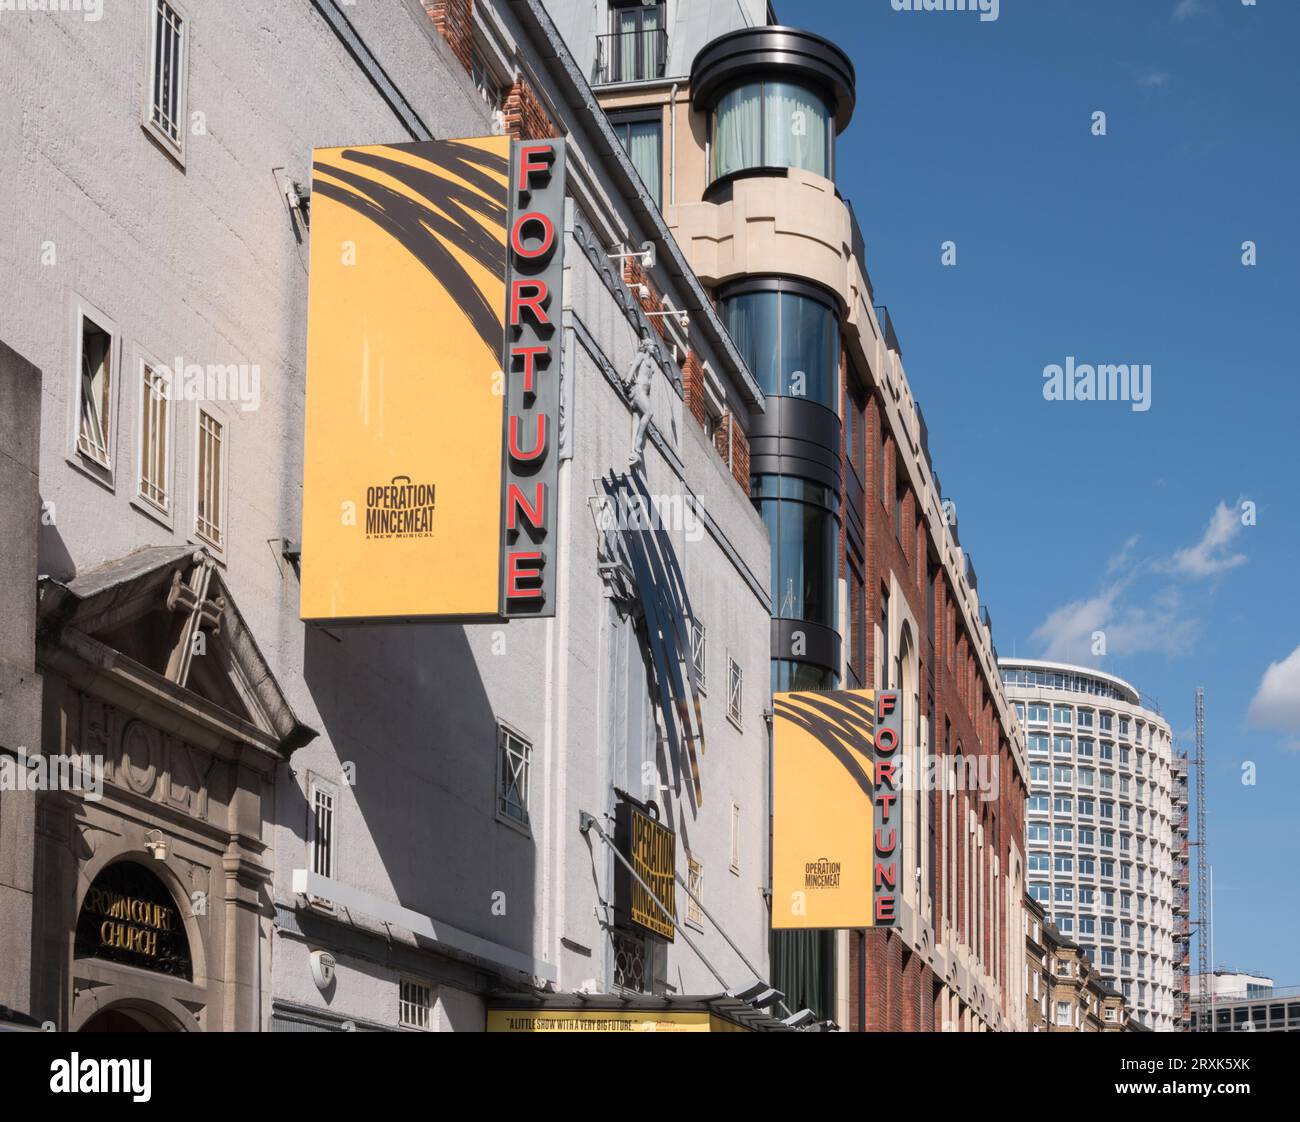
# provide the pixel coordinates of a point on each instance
(843, 722)
(443, 216)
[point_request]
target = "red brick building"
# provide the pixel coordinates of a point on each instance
(731, 123)
(956, 961)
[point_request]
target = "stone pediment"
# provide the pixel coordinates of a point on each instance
(162, 622)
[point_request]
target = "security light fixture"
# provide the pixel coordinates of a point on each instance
(156, 844)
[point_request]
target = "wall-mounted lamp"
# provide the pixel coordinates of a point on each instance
(646, 255)
(299, 199)
(156, 844)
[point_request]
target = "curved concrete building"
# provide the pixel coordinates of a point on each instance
(1106, 827)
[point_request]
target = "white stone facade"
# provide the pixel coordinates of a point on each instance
(191, 250)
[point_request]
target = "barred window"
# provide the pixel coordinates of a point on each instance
(155, 446)
(735, 687)
(320, 840)
(209, 500)
(630, 967)
(514, 755)
(168, 51)
(699, 654)
(415, 1000)
(695, 882)
(95, 361)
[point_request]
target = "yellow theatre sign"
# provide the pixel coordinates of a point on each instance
(836, 809)
(591, 1020)
(650, 847)
(432, 416)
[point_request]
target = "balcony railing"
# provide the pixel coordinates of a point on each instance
(630, 56)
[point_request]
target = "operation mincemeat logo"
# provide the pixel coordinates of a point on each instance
(822, 873)
(400, 509)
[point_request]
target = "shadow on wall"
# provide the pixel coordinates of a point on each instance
(406, 707)
(52, 556)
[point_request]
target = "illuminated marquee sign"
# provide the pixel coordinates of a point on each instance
(836, 814)
(129, 917)
(433, 361)
(651, 848)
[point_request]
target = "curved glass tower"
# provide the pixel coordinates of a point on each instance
(775, 98)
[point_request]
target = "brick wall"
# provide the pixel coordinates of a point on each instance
(634, 276)
(693, 385)
(902, 991)
(525, 116)
(454, 20)
(739, 454)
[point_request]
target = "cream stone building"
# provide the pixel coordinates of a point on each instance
(307, 828)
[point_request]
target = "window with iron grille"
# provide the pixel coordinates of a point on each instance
(155, 438)
(630, 968)
(321, 834)
(167, 63)
(209, 510)
(95, 362)
(415, 1000)
(485, 81)
(735, 687)
(695, 882)
(636, 48)
(514, 755)
(699, 655)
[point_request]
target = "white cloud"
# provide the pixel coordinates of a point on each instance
(1209, 556)
(1066, 634)
(1155, 80)
(1158, 623)
(1276, 704)
(1156, 618)
(1186, 9)
(1121, 558)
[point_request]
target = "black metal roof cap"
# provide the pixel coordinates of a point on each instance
(776, 51)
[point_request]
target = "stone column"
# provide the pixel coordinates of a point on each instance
(20, 686)
(247, 877)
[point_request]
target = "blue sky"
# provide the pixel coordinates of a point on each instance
(1127, 248)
